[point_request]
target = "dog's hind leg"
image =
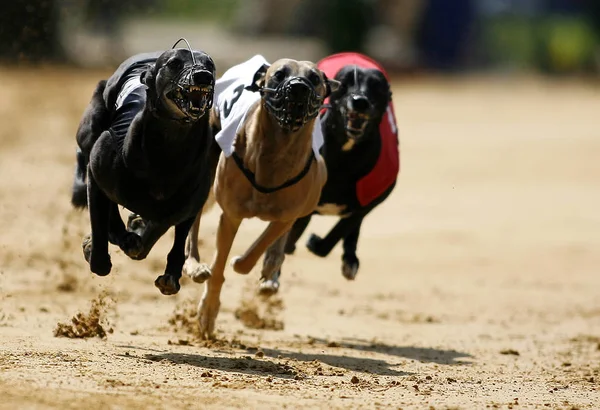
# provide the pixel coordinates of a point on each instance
(208, 309)
(79, 190)
(244, 264)
(129, 242)
(169, 282)
(95, 247)
(271, 269)
(350, 261)
(198, 272)
(295, 233)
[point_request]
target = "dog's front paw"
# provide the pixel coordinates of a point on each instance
(131, 244)
(167, 284)
(207, 316)
(136, 223)
(350, 266)
(100, 265)
(289, 249)
(315, 245)
(198, 272)
(240, 266)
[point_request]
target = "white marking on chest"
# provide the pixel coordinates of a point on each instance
(348, 145)
(331, 209)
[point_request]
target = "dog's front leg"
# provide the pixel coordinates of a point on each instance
(244, 264)
(350, 261)
(95, 246)
(168, 284)
(208, 309)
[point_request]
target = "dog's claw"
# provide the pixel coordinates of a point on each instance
(314, 245)
(349, 267)
(167, 284)
(198, 272)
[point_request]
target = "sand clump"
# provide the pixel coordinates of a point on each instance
(87, 325)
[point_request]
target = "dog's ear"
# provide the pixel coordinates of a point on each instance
(331, 85)
(258, 81)
(147, 77)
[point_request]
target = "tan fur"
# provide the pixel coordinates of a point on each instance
(274, 158)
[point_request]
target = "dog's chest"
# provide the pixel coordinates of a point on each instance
(332, 209)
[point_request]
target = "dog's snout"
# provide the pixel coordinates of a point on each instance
(298, 89)
(202, 77)
(359, 103)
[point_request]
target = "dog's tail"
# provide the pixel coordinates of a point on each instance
(94, 121)
(79, 193)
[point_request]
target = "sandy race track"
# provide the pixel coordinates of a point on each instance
(479, 284)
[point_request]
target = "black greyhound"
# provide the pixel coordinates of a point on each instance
(361, 153)
(145, 143)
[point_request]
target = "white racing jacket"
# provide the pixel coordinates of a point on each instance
(232, 103)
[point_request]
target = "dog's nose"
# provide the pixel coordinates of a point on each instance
(202, 77)
(359, 103)
(298, 89)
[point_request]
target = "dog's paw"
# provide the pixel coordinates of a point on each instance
(136, 223)
(289, 249)
(131, 245)
(167, 284)
(207, 316)
(100, 265)
(269, 287)
(350, 266)
(198, 272)
(315, 245)
(239, 265)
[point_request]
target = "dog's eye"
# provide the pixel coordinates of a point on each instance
(314, 78)
(175, 64)
(279, 75)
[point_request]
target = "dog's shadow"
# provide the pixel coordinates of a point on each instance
(422, 354)
(269, 366)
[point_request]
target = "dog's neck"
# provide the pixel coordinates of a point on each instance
(271, 153)
(152, 140)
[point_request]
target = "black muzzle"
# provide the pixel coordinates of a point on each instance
(293, 103)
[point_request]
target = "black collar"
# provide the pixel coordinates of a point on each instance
(252, 179)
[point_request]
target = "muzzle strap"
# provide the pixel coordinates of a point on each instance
(266, 190)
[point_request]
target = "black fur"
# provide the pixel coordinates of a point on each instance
(346, 167)
(154, 161)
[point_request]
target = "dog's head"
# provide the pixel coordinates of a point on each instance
(181, 84)
(292, 91)
(361, 101)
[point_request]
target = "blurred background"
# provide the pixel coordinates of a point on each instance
(550, 36)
